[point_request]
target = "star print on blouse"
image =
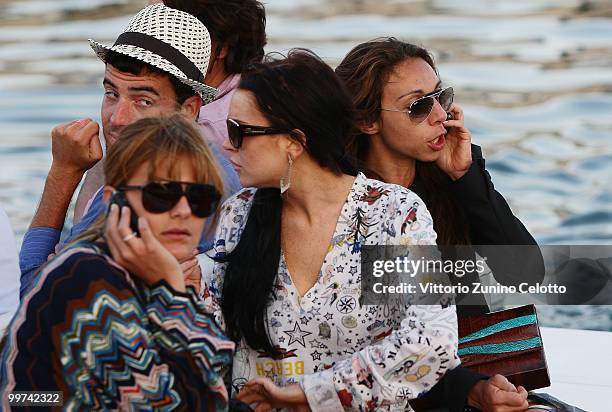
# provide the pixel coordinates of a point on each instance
(297, 335)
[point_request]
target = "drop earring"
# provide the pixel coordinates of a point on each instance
(285, 181)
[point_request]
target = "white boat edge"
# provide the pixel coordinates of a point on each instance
(580, 367)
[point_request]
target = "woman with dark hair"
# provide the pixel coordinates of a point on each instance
(288, 249)
(109, 321)
(409, 132)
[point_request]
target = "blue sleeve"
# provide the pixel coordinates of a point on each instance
(96, 208)
(38, 243)
(231, 182)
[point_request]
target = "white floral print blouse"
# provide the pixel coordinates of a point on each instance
(347, 356)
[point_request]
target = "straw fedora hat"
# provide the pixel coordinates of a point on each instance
(169, 39)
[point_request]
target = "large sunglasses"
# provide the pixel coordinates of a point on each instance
(420, 109)
(236, 131)
(162, 196)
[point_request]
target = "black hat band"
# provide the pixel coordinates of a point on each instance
(162, 49)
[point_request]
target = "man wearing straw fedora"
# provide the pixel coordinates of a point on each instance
(237, 38)
(157, 66)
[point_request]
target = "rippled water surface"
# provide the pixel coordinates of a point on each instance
(534, 77)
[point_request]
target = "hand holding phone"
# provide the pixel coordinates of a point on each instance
(456, 156)
(143, 256)
(120, 200)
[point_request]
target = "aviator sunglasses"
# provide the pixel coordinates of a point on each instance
(162, 196)
(420, 109)
(237, 131)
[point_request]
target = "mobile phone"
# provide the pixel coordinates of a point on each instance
(120, 200)
(449, 116)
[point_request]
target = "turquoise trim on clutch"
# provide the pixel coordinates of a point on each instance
(505, 347)
(499, 327)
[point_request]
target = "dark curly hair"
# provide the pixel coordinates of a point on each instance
(239, 25)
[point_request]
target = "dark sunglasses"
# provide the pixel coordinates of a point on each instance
(236, 131)
(162, 196)
(420, 109)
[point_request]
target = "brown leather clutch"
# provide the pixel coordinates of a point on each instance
(507, 342)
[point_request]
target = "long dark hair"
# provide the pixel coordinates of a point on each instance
(364, 71)
(297, 92)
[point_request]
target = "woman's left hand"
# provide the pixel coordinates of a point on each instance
(456, 156)
(267, 395)
(192, 272)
